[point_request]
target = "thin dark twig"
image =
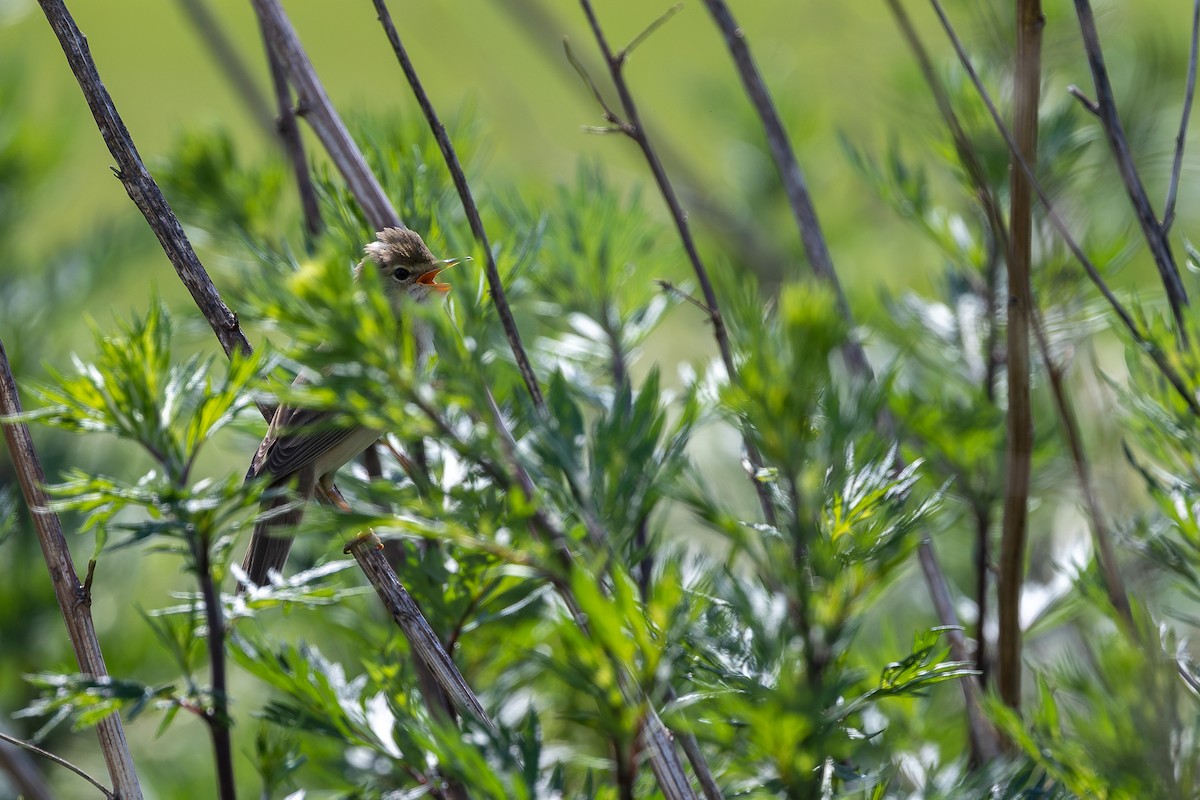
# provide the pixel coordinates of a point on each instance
(1088, 103)
(293, 144)
(62, 762)
(1155, 235)
(142, 188)
(817, 251)
(983, 557)
(73, 603)
(649, 30)
(544, 32)
(1018, 456)
(1105, 553)
(586, 77)
(495, 285)
(635, 130)
(1152, 350)
(217, 719)
(674, 291)
(1189, 93)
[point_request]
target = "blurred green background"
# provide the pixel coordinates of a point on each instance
(837, 69)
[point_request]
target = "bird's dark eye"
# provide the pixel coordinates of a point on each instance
(401, 274)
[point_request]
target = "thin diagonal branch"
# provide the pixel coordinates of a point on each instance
(468, 201)
(317, 110)
(648, 31)
(1155, 234)
(794, 184)
(635, 130)
(813, 240)
(62, 762)
(1101, 534)
(421, 636)
(1153, 351)
(142, 188)
(1189, 93)
(73, 602)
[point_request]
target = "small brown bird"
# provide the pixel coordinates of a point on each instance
(305, 446)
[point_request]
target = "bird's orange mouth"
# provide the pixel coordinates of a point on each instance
(430, 278)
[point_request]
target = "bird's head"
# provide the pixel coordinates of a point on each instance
(406, 267)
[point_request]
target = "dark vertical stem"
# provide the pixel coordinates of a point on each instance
(983, 556)
(1019, 451)
(218, 716)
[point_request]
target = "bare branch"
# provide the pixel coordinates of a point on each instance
(138, 182)
(319, 113)
(1181, 137)
(73, 604)
(543, 30)
(421, 637)
(585, 76)
(1155, 235)
(495, 285)
(794, 184)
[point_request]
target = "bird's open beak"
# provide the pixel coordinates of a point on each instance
(430, 278)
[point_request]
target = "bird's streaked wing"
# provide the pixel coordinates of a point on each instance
(296, 439)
